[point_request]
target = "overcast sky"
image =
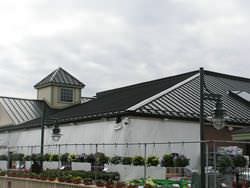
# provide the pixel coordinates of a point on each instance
(113, 43)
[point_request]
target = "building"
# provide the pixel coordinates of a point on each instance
(161, 110)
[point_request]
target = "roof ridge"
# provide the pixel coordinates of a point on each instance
(141, 84)
(54, 74)
(218, 74)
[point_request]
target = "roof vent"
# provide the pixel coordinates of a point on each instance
(241, 95)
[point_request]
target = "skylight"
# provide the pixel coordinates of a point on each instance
(242, 95)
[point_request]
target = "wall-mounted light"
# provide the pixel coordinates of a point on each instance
(56, 133)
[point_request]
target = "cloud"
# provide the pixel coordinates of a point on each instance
(115, 43)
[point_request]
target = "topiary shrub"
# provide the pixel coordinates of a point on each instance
(138, 161)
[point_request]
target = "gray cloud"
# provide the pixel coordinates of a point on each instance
(113, 43)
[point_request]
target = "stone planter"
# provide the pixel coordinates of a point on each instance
(81, 166)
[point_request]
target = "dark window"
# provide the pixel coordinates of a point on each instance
(66, 94)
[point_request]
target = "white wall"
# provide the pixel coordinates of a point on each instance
(137, 130)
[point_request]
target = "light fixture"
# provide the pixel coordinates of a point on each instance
(56, 133)
(218, 115)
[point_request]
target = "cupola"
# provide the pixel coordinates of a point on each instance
(59, 89)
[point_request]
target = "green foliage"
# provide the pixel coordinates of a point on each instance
(64, 157)
(181, 161)
(3, 157)
(138, 161)
(17, 156)
(27, 158)
(239, 161)
(54, 157)
(127, 160)
(225, 164)
(116, 160)
(101, 158)
(153, 161)
(167, 160)
(90, 158)
(46, 157)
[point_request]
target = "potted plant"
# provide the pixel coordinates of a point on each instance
(239, 161)
(100, 183)
(101, 158)
(76, 180)
(138, 161)
(54, 157)
(120, 184)
(47, 157)
(153, 161)
(181, 161)
(27, 158)
(116, 160)
(3, 157)
(225, 164)
(2, 173)
(167, 160)
(90, 158)
(64, 157)
(127, 160)
(87, 181)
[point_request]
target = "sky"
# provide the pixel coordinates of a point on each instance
(113, 43)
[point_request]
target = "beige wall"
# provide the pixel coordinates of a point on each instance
(52, 96)
(4, 117)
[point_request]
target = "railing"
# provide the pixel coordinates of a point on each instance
(12, 182)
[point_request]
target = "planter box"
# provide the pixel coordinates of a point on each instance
(128, 172)
(81, 166)
(50, 165)
(3, 165)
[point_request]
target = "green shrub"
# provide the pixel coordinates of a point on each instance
(153, 161)
(181, 161)
(127, 160)
(27, 158)
(116, 160)
(138, 161)
(17, 156)
(54, 157)
(64, 157)
(3, 157)
(239, 161)
(46, 157)
(167, 160)
(225, 164)
(101, 158)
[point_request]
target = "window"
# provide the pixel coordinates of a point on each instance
(66, 95)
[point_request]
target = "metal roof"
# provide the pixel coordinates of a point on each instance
(59, 77)
(21, 110)
(171, 97)
(184, 100)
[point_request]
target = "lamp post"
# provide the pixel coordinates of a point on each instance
(217, 119)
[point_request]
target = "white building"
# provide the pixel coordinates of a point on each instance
(161, 110)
